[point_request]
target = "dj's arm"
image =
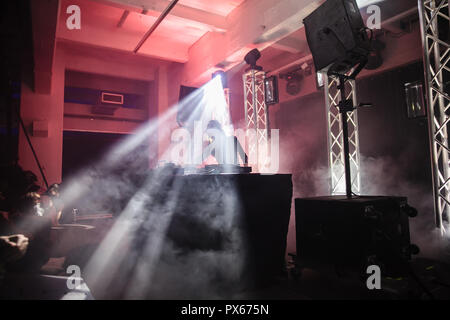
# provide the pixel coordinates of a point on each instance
(240, 151)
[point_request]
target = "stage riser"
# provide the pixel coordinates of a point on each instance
(351, 234)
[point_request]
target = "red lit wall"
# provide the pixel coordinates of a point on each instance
(48, 109)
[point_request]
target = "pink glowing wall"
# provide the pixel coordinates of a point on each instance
(48, 109)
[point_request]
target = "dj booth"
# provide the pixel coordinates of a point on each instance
(263, 203)
(228, 213)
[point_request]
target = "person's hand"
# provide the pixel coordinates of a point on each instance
(13, 247)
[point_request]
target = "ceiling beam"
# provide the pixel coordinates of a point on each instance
(95, 33)
(202, 19)
(297, 62)
(253, 24)
(393, 23)
(291, 44)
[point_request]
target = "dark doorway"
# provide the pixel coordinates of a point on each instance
(84, 149)
(111, 184)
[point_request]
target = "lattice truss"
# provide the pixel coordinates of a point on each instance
(335, 137)
(437, 72)
(256, 116)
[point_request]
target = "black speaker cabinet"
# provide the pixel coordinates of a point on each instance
(336, 36)
(351, 234)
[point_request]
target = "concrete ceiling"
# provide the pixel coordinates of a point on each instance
(171, 40)
(205, 35)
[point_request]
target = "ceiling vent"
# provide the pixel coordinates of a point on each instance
(109, 103)
(112, 98)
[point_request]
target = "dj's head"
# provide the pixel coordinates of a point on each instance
(214, 124)
(53, 190)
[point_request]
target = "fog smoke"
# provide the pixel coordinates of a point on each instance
(155, 250)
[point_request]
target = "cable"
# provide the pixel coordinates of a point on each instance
(31, 147)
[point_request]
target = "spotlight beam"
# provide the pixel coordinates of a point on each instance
(76, 186)
(133, 218)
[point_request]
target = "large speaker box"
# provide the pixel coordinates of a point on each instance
(351, 234)
(336, 36)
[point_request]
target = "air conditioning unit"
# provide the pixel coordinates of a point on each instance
(112, 98)
(109, 103)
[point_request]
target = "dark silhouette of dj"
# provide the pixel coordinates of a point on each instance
(225, 149)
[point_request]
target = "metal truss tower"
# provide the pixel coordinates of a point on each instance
(434, 15)
(335, 137)
(256, 115)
